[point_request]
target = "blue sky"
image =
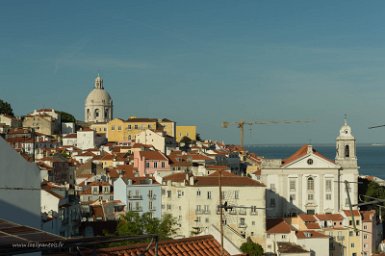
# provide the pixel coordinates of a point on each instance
(204, 62)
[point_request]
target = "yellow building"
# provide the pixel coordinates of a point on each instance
(99, 128)
(119, 130)
(189, 132)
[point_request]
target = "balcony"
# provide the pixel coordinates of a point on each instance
(153, 209)
(206, 212)
(233, 212)
(135, 197)
(151, 196)
(137, 209)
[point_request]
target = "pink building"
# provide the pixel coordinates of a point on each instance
(372, 232)
(147, 162)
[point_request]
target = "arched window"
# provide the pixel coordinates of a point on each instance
(347, 151)
(106, 113)
(88, 114)
(310, 184)
(96, 113)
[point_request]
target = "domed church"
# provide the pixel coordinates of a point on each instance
(98, 104)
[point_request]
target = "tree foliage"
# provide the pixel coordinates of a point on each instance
(67, 117)
(133, 224)
(5, 108)
(374, 190)
(251, 248)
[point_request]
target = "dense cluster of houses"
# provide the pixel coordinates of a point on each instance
(91, 173)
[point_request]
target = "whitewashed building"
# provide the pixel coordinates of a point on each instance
(194, 201)
(309, 182)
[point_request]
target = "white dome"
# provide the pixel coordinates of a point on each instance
(98, 97)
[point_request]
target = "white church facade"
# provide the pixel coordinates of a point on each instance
(98, 107)
(308, 182)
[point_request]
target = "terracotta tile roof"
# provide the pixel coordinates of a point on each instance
(280, 226)
(301, 153)
(356, 213)
(223, 173)
(87, 153)
(197, 157)
(307, 217)
(176, 177)
(217, 167)
(138, 120)
(285, 247)
(306, 234)
(367, 216)
(199, 246)
(153, 155)
(332, 217)
(312, 225)
(71, 136)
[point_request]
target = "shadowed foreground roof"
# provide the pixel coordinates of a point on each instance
(200, 246)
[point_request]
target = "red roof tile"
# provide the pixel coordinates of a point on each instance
(280, 226)
(199, 245)
(332, 217)
(305, 234)
(153, 155)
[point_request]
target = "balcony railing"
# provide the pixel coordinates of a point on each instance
(135, 197)
(242, 225)
(153, 209)
(242, 211)
(137, 209)
(151, 196)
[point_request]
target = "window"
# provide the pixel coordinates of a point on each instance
(242, 222)
(129, 127)
(365, 227)
(136, 126)
(253, 223)
(208, 194)
(292, 185)
(207, 220)
(352, 245)
(357, 222)
(310, 197)
(365, 236)
(163, 165)
(169, 193)
(328, 186)
(198, 219)
(155, 164)
(310, 184)
(283, 236)
(113, 127)
(292, 198)
(347, 153)
(147, 165)
(169, 207)
(236, 194)
(119, 128)
(206, 209)
(198, 193)
(328, 196)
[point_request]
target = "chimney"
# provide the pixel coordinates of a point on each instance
(192, 180)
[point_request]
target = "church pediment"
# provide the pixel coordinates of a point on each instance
(307, 157)
(311, 161)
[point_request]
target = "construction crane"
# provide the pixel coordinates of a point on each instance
(241, 125)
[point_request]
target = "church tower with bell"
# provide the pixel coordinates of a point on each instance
(346, 147)
(98, 107)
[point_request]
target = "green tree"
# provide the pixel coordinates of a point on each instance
(133, 224)
(251, 248)
(5, 108)
(67, 117)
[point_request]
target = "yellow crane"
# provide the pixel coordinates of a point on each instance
(241, 125)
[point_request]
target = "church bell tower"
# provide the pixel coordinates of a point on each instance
(346, 147)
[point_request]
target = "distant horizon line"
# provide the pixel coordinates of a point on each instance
(314, 144)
